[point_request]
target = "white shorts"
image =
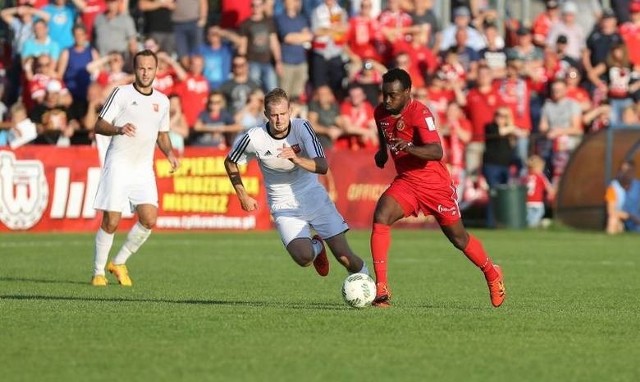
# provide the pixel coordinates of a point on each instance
(119, 188)
(317, 211)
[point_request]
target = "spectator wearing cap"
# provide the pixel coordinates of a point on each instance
(630, 32)
(544, 22)
(569, 27)
(462, 19)
(600, 41)
(562, 43)
(55, 121)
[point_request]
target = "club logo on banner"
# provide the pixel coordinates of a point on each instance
(24, 191)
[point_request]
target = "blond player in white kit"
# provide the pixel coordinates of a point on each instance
(137, 118)
(290, 158)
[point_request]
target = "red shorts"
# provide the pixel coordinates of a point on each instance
(439, 200)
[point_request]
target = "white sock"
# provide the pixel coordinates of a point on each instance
(104, 241)
(136, 237)
(364, 269)
(317, 247)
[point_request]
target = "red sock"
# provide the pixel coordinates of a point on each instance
(380, 242)
(478, 256)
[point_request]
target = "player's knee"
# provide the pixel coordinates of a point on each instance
(109, 226)
(303, 260)
(148, 223)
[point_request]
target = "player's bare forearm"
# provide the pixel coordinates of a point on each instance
(164, 143)
(247, 202)
(315, 165)
(103, 127)
(430, 151)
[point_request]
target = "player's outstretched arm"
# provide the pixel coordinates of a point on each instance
(164, 143)
(247, 202)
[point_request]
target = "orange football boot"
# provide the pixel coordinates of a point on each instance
(497, 290)
(383, 296)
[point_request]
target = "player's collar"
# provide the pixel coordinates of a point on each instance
(144, 94)
(268, 126)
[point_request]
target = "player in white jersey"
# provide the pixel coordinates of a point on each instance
(290, 157)
(137, 118)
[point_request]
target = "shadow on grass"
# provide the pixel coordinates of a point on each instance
(43, 281)
(253, 304)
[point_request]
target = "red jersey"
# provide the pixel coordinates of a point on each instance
(579, 94)
(439, 100)
(193, 92)
(480, 110)
(541, 26)
(515, 94)
(165, 82)
(415, 124)
(630, 34)
(92, 9)
(537, 185)
(363, 37)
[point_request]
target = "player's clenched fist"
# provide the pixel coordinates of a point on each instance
(128, 129)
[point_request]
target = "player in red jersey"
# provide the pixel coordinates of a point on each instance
(423, 183)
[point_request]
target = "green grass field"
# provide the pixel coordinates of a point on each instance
(234, 307)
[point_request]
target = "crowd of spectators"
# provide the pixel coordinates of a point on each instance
(502, 89)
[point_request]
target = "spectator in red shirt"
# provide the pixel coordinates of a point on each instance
(544, 21)
(364, 36)
(630, 32)
(359, 127)
(480, 105)
(395, 26)
(194, 90)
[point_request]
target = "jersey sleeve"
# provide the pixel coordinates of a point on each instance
(425, 125)
(310, 141)
(610, 195)
(242, 150)
(113, 106)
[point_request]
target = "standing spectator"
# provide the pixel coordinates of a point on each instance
(515, 94)
(194, 90)
(423, 17)
(89, 10)
(422, 57)
(575, 91)
(599, 43)
(324, 116)
(364, 37)
(215, 126)
(295, 37)
(236, 90)
(39, 72)
(20, 21)
(461, 20)
(115, 31)
(480, 105)
(359, 126)
(543, 23)
(179, 128)
(189, 18)
(261, 46)
(40, 43)
(157, 22)
(630, 32)
(494, 56)
(538, 190)
(218, 54)
(63, 18)
(329, 26)
(525, 51)
(498, 154)
(422, 184)
(568, 27)
(395, 27)
(623, 200)
(561, 123)
(72, 66)
(620, 83)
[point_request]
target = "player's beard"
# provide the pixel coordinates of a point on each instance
(144, 84)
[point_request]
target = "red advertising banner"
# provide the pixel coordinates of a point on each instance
(46, 188)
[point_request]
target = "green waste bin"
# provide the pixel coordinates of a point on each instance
(510, 205)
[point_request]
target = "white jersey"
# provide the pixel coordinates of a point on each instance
(148, 113)
(284, 181)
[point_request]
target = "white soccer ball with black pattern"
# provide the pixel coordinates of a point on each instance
(358, 290)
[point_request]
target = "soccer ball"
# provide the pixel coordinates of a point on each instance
(358, 290)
